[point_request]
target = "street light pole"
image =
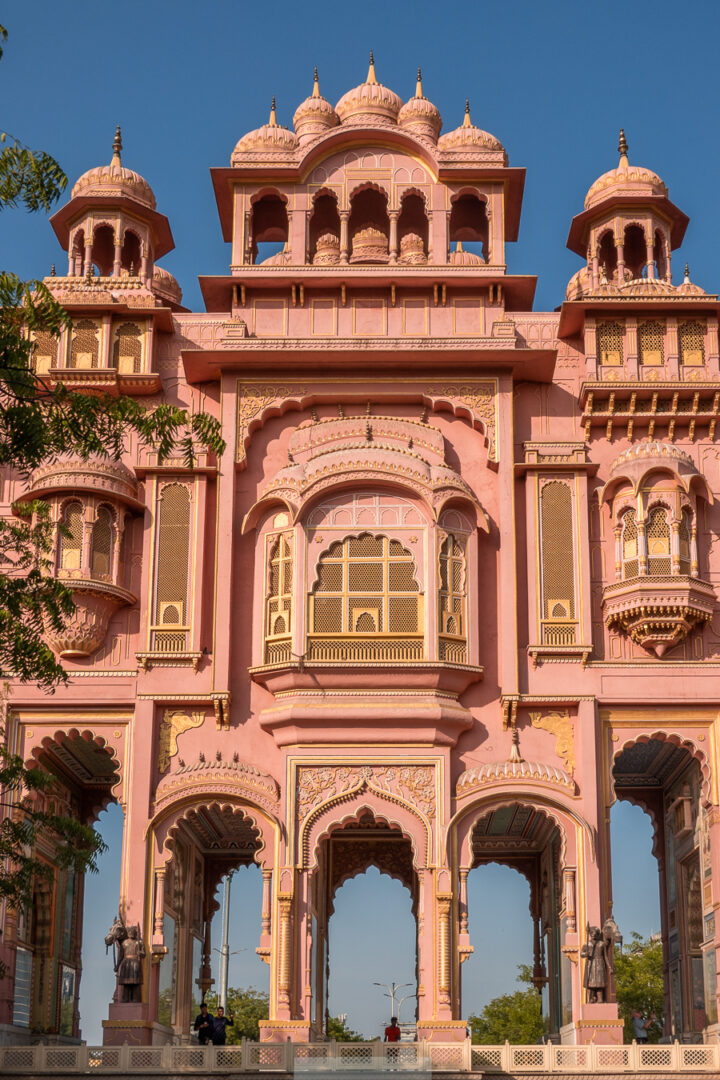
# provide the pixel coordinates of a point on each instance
(225, 948)
(391, 991)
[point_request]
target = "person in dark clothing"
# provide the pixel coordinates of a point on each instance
(204, 1025)
(222, 1022)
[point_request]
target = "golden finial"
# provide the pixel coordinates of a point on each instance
(458, 245)
(418, 88)
(272, 122)
(686, 279)
(371, 78)
(117, 147)
(316, 84)
(52, 270)
(467, 122)
(623, 150)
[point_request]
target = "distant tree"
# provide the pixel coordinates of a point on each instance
(516, 1017)
(337, 1029)
(249, 1007)
(639, 983)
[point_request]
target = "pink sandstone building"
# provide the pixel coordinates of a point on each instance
(448, 594)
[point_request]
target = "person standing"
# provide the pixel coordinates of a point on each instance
(222, 1022)
(204, 1025)
(392, 1032)
(641, 1025)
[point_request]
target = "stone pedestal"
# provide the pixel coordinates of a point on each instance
(442, 1031)
(600, 1024)
(130, 1023)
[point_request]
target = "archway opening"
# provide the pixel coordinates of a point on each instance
(131, 254)
(103, 250)
(469, 224)
(356, 900)
(324, 230)
(369, 227)
(413, 230)
(607, 257)
(515, 926)
(270, 229)
(635, 251)
(664, 779)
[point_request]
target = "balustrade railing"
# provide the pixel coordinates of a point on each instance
(426, 1057)
(356, 649)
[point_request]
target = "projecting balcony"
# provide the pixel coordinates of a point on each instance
(96, 598)
(656, 612)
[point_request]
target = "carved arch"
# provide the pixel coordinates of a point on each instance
(676, 740)
(163, 829)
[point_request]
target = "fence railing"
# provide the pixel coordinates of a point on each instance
(374, 1056)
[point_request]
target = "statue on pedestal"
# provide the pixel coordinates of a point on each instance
(598, 952)
(128, 953)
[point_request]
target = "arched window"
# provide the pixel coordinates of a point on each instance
(172, 563)
(278, 628)
(685, 537)
(451, 602)
(413, 230)
(131, 253)
(102, 544)
(650, 344)
(629, 542)
(366, 604)
(660, 256)
(369, 227)
(103, 249)
(71, 541)
(610, 344)
(45, 354)
(558, 564)
(657, 532)
(127, 349)
(85, 347)
(324, 231)
(269, 227)
(635, 251)
(78, 252)
(469, 224)
(691, 343)
(607, 257)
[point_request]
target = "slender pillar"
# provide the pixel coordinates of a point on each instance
(117, 256)
(87, 265)
(394, 236)
(159, 916)
(620, 263)
(344, 235)
(266, 882)
(642, 549)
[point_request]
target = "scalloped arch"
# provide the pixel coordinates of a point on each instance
(355, 533)
(677, 740)
(164, 831)
(355, 816)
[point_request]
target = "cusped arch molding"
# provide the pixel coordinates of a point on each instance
(219, 824)
(496, 773)
(569, 821)
(86, 760)
(385, 806)
(638, 462)
(382, 836)
(331, 144)
(680, 741)
(235, 779)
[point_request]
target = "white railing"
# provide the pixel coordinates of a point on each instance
(417, 1057)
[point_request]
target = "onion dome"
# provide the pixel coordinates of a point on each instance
(460, 257)
(469, 137)
(371, 102)
(114, 179)
(688, 288)
(271, 138)
(315, 116)
(625, 180)
(166, 284)
(327, 250)
(420, 116)
(578, 285)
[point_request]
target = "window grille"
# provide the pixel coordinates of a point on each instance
(46, 350)
(610, 343)
(629, 544)
(127, 349)
(685, 536)
(691, 343)
(102, 544)
(658, 541)
(451, 602)
(71, 542)
(85, 347)
(558, 565)
(172, 567)
(278, 632)
(366, 588)
(651, 344)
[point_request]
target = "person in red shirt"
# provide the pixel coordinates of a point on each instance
(392, 1033)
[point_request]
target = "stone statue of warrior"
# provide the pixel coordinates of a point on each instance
(593, 951)
(129, 953)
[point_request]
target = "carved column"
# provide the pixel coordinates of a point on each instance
(642, 548)
(87, 265)
(117, 256)
(675, 547)
(618, 550)
(620, 262)
(267, 883)
(159, 916)
(463, 902)
(694, 567)
(394, 215)
(344, 235)
(284, 950)
(444, 903)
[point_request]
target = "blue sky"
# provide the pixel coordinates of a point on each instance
(554, 81)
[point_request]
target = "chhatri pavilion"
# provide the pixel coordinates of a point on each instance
(449, 593)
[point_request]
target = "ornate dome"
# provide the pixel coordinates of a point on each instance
(114, 179)
(166, 284)
(315, 115)
(270, 138)
(420, 116)
(370, 102)
(460, 257)
(469, 137)
(689, 288)
(625, 180)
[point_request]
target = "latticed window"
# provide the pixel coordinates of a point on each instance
(102, 544)
(610, 343)
(558, 564)
(172, 565)
(71, 538)
(278, 628)
(657, 532)
(127, 349)
(366, 587)
(451, 602)
(85, 346)
(685, 541)
(651, 337)
(629, 541)
(691, 343)
(45, 355)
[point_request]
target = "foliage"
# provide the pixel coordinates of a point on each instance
(249, 1007)
(514, 1017)
(639, 983)
(338, 1030)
